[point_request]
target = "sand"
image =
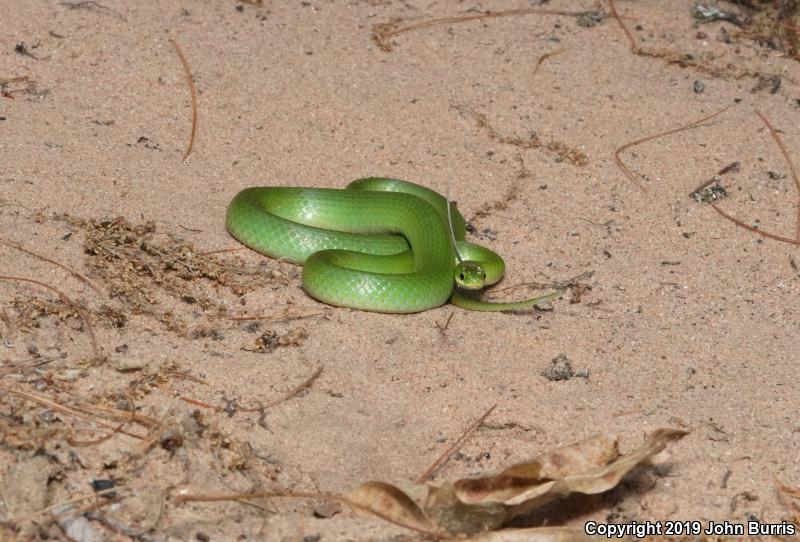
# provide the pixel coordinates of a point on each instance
(678, 318)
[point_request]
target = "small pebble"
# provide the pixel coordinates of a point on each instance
(70, 375)
(129, 364)
(699, 87)
(326, 509)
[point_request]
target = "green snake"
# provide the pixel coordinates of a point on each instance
(380, 244)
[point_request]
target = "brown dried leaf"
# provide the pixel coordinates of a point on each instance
(392, 504)
(790, 496)
(480, 504)
(532, 477)
(604, 478)
(595, 451)
(471, 506)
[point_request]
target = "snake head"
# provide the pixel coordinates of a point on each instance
(470, 275)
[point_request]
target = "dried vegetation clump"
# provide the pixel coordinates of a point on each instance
(774, 23)
(157, 274)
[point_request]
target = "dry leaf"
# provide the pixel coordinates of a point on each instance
(390, 503)
(470, 506)
(790, 496)
(592, 452)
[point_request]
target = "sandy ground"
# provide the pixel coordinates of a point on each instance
(686, 320)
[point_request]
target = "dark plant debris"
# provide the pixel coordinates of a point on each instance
(706, 13)
(774, 24)
(588, 19)
(271, 339)
(160, 275)
(713, 192)
(560, 368)
(562, 151)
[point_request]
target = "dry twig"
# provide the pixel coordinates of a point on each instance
(81, 313)
(454, 447)
(189, 81)
(753, 229)
(283, 316)
(634, 48)
(689, 126)
(76, 274)
(774, 133)
(63, 505)
(545, 57)
(788, 495)
(384, 31)
(297, 389)
(261, 408)
(180, 499)
(66, 410)
(796, 241)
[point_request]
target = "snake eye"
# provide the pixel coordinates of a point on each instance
(461, 276)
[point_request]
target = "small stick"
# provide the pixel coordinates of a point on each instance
(632, 41)
(155, 433)
(382, 32)
(7, 203)
(762, 233)
(625, 168)
(786, 494)
(453, 448)
(87, 3)
(13, 368)
(114, 524)
(733, 166)
(774, 133)
(186, 376)
(62, 504)
(220, 251)
(99, 440)
(261, 408)
(291, 393)
(558, 285)
(188, 69)
(448, 204)
(180, 499)
(192, 230)
(65, 410)
(201, 404)
(149, 378)
(74, 273)
(545, 57)
(443, 327)
(758, 231)
(17, 79)
(287, 315)
(83, 316)
(89, 510)
(123, 415)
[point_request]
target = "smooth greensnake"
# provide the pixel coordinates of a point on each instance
(379, 244)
